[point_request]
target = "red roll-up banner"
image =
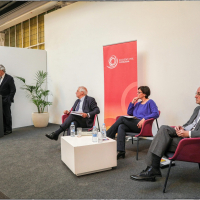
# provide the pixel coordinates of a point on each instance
(120, 79)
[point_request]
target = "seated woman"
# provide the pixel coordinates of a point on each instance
(143, 110)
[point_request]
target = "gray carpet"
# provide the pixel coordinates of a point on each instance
(31, 168)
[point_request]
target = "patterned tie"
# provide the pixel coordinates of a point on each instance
(78, 104)
(193, 125)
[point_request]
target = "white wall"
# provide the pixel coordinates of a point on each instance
(24, 63)
(168, 37)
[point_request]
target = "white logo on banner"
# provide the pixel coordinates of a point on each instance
(113, 61)
(125, 60)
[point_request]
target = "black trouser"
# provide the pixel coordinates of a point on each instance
(121, 126)
(79, 121)
(7, 118)
(165, 140)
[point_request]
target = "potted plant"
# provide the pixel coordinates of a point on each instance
(38, 96)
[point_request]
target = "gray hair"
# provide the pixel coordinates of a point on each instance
(2, 68)
(83, 89)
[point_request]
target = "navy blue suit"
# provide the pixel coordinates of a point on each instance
(7, 90)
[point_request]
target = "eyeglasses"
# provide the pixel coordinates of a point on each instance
(197, 93)
(139, 92)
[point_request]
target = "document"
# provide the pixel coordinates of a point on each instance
(165, 162)
(128, 116)
(76, 113)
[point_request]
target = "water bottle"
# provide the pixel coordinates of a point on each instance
(103, 130)
(94, 135)
(100, 137)
(72, 129)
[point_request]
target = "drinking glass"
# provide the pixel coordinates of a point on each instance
(79, 131)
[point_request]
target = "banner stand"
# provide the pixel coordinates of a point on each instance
(1, 118)
(120, 79)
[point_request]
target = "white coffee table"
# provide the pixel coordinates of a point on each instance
(82, 156)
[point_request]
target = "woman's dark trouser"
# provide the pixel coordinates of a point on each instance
(121, 126)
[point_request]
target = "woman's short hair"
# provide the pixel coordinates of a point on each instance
(145, 90)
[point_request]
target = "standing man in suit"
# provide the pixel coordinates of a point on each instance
(85, 105)
(167, 139)
(7, 90)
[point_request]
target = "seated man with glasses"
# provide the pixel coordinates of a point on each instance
(167, 139)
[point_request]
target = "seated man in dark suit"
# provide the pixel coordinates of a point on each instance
(85, 105)
(167, 139)
(7, 90)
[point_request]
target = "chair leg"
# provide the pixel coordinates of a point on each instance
(98, 123)
(199, 165)
(167, 176)
(137, 148)
(157, 124)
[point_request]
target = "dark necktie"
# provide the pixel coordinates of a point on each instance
(78, 104)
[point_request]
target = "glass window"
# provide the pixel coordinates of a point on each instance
(19, 35)
(33, 31)
(12, 36)
(35, 47)
(42, 46)
(26, 34)
(7, 37)
(41, 28)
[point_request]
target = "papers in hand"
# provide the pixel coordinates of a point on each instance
(76, 113)
(128, 116)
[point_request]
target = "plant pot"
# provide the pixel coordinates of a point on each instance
(40, 119)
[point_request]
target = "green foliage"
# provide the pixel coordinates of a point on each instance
(35, 92)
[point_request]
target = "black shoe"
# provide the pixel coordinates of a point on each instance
(7, 132)
(153, 171)
(121, 154)
(140, 172)
(145, 169)
(147, 175)
(52, 136)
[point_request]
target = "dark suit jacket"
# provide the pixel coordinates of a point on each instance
(196, 131)
(7, 89)
(89, 106)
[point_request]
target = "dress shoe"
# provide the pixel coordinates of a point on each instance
(7, 132)
(147, 175)
(145, 169)
(52, 136)
(121, 154)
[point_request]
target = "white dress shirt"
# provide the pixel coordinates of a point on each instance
(2, 78)
(80, 110)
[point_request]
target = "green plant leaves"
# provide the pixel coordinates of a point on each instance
(20, 78)
(36, 93)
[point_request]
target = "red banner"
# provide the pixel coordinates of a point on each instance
(120, 79)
